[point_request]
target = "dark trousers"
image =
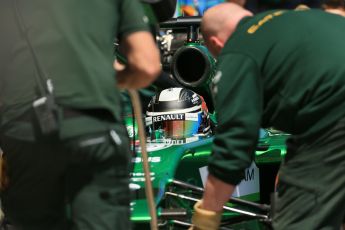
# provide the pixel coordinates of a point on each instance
(311, 190)
(79, 183)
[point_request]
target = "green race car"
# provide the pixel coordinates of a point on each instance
(180, 125)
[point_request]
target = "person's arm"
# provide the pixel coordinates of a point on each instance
(238, 103)
(138, 47)
(208, 211)
(216, 194)
(143, 61)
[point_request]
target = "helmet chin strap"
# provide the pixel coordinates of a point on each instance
(142, 139)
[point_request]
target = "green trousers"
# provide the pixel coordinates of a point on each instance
(78, 182)
(311, 189)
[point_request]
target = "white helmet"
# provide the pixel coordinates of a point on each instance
(177, 113)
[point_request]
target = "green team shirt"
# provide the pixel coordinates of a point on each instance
(283, 69)
(74, 43)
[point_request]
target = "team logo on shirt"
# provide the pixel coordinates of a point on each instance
(263, 21)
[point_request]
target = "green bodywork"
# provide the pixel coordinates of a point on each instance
(183, 162)
(271, 148)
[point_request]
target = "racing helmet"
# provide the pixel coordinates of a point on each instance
(177, 113)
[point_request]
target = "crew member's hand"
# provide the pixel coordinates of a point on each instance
(205, 219)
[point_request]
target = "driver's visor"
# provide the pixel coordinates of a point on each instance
(173, 125)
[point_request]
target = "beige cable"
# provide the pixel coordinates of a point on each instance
(142, 139)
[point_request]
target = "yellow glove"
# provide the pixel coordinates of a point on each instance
(204, 219)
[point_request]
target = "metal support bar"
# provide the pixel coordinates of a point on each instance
(247, 213)
(173, 212)
(263, 207)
